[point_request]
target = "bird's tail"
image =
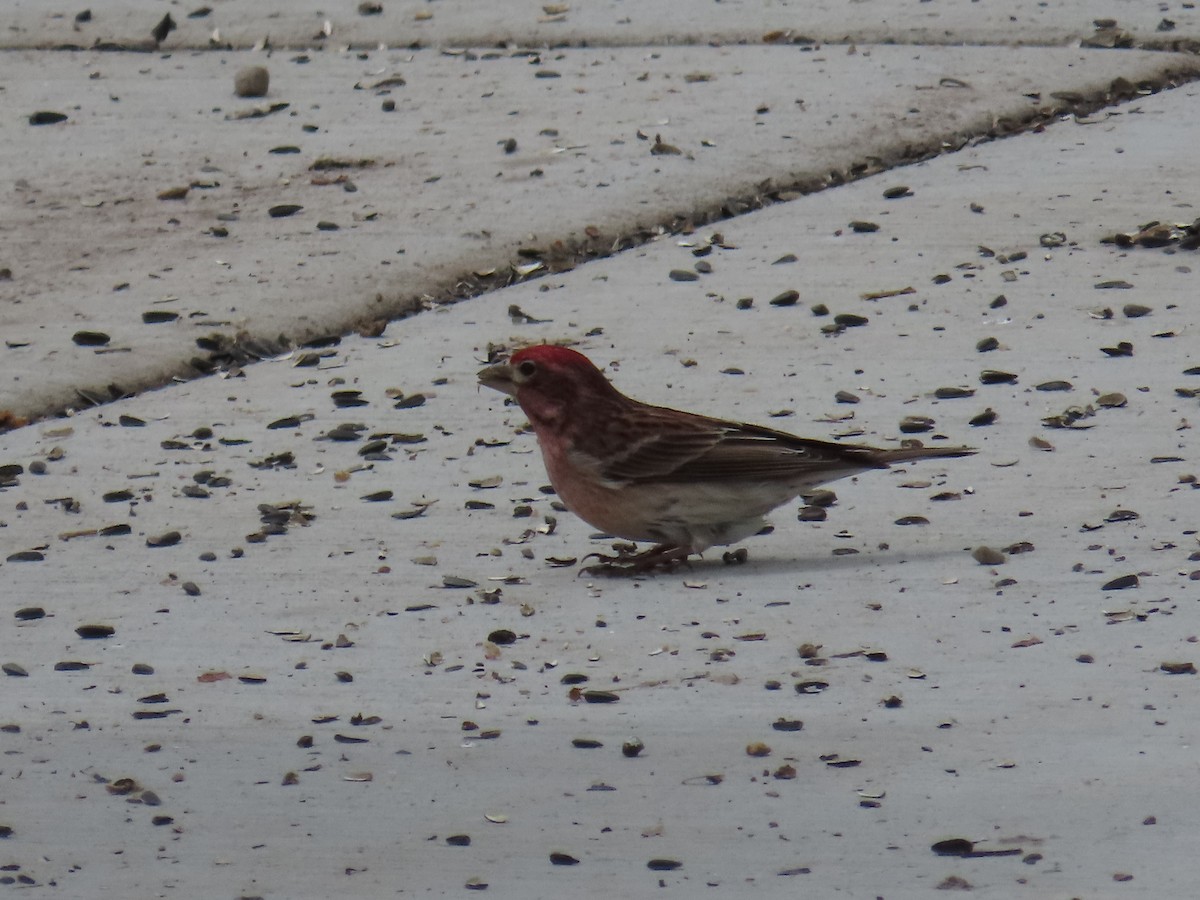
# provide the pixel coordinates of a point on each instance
(904, 454)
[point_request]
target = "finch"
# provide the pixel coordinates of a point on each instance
(684, 481)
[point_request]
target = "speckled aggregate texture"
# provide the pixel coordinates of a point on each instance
(191, 229)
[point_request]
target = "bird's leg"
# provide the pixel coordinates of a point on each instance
(664, 556)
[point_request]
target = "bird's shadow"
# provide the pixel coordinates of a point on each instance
(713, 564)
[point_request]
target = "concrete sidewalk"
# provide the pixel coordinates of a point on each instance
(303, 628)
(159, 254)
(611, 23)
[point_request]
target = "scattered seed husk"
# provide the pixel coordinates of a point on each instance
(987, 344)
(983, 419)
(787, 298)
(166, 539)
(850, 320)
(90, 338)
(663, 865)
(47, 117)
(953, 847)
(1178, 668)
(658, 148)
(95, 632)
(26, 556)
(953, 393)
(996, 376)
(600, 697)
(916, 424)
(835, 761)
(412, 401)
(1122, 515)
(883, 295)
(1122, 583)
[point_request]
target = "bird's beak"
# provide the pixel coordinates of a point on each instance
(500, 378)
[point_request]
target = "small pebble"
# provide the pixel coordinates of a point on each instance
(252, 81)
(987, 556)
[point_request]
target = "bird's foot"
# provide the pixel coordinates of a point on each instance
(627, 561)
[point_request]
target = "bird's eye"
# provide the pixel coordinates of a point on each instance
(527, 368)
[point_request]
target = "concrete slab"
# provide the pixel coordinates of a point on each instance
(1032, 715)
(306, 23)
(152, 200)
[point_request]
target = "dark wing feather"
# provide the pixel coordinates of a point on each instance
(685, 447)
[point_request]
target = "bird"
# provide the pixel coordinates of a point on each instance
(683, 481)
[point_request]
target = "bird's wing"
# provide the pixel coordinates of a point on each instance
(681, 447)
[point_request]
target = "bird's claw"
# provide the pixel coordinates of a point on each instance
(624, 553)
(627, 562)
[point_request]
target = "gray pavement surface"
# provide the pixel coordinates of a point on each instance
(348, 648)
(163, 240)
(462, 23)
